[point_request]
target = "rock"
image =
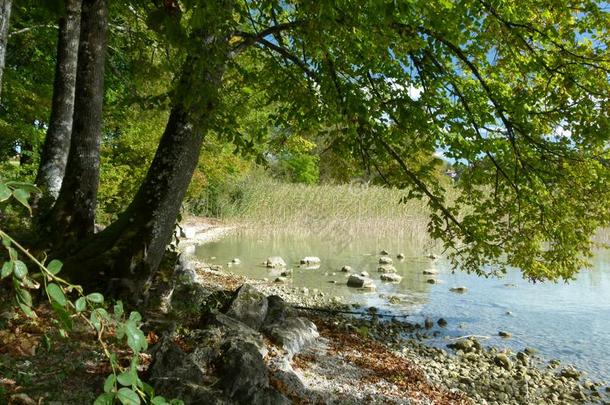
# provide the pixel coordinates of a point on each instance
(235, 260)
(286, 273)
(332, 281)
(503, 361)
(280, 280)
(428, 323)
(249, 306)
(391, 277)
(310, 260)
(441, 322)
(504, 334)
(570, 372)
(510, 285)
(430, 272)
(400, 256)
(385, 260)
(275, 261)
(458, 290)
(383, 253)
(530, 351)
(432, 256)
(364, 273)
(523, 358)
(243, 375)
(431, 281)
(358, 281)
(305, 291)
(394, 300)
(464, 345)
(346, 269)
(292, 334)
(386, 269)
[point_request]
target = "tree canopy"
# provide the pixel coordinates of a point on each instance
(514, 92)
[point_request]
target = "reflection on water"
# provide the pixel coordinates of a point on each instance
(566, 321)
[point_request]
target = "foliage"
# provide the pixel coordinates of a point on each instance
(123, 385)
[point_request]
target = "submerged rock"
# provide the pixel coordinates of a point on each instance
(346, 269)
(310, 260)
(391, 277)
(400, 256)
(385, 260)
(384, 253)
(386, 269)
(432, 256)
(430, 272)
(358, 281)
(235, 260)
(459, 290)
(504, 334)
(275, 261)
(428, 323)
(431, 281)
(442, 322)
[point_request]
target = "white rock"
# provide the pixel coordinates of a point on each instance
(275, 261)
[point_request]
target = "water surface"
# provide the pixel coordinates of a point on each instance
(570, 322)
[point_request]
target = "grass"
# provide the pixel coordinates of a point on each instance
(262, 204)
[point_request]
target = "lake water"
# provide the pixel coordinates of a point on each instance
(570, 322)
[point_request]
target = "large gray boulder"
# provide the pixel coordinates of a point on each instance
(292, 334)
(249, 306)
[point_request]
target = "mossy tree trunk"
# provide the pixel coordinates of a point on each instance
(5, 16)
(57, 142)
(73, 215)
(123, 258)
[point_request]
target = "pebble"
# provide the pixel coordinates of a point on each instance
(346, 269)
(442, 322)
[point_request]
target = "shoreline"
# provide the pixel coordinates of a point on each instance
(484, 375)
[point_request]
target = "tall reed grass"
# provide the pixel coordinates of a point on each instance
(262, 204)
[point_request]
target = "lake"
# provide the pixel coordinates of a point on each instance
(569, 322)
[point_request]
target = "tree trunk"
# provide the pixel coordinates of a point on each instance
(73, 215)
(131, 249)
(57, 142)
(5, 16)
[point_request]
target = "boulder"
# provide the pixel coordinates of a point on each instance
(386, 269)
(364, 273)
(292, 334)
(503, 361)
(385, 260)
(431, 281)
(391, 277)
(275, 261)
(249, 306)
(400, 256)
(346, 269)
(384, 253)
(358, 281)
(464, 345)
(310, 260)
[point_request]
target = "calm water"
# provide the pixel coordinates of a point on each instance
(570, 322)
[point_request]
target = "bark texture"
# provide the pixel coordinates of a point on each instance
(130, 250)
(5, 16)
(73, 215)
(57, 142)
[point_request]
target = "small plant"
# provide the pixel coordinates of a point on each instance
(123, 385)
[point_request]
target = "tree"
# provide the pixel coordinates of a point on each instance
(516, 92)
(57, 142)
(73, 215)
(5, 16)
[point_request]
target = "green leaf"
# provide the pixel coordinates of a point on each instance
(21, 270)
(135, 316)
(135, 338)
(62, 315)
(6, 241)
(57, 294)
(106, 398)
(12, 253)
(27, 310)
(128, 397)
(176, 402)
(96, 298)
(81, 304)
(109, 383)
(25, 186)
(126, 379)
(54, 266)
(159, 400)
(5, 192)
(23, 196)
(95, 321)
(7, 270)
(118, 309)
(23, 296)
